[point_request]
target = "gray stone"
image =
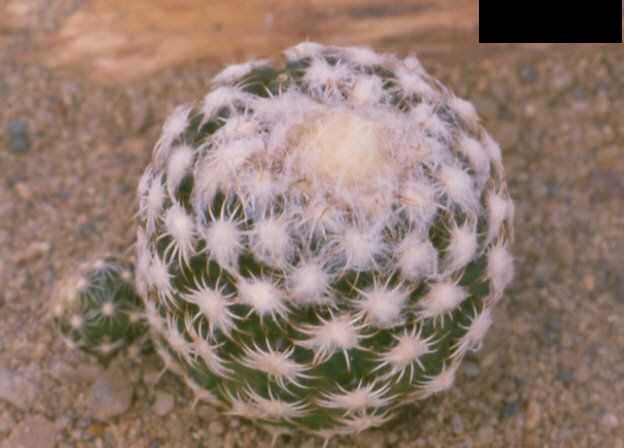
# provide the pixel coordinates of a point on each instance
(17, 389)
(163, 404)
(32, 432)
(18, 136)
(110, 394)
(527, 73)
(216, 427)
(6, 422)
(471, 369)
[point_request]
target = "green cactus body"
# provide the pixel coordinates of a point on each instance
(321, 244)
(97, 309)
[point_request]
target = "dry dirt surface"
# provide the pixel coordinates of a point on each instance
(551, 373)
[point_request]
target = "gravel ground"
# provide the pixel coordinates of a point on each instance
(551, 373)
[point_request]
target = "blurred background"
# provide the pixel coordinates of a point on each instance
(84, 88)
(120, 40)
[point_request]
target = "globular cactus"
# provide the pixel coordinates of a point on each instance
(322, 243)
(97, 309)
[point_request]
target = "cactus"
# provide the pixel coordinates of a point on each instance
(321, 244)
(97, 309)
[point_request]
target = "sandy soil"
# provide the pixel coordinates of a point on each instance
(551, 373)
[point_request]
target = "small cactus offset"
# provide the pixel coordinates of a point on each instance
(97, 309)
(322, 243)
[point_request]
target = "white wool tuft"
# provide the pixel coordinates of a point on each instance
(154, 203)
(240, 405)
(240, 126)
(159, 277)
(417, 258)
(438, 383)
(478, 157)
(493, 149)
(270, 241)
(279, 366)
(331, 143)
(423, 114)
(499, 269)
(175, 124)
(337, 333)
(499, 209)
(108, 309)
(234, 72)
(382, 305)
(303, 50)
(442, 299)
(321, 74)
(152, 315)
(180, 227)
(414, 64)
(465, 110)
(363, 56)
(413, 83)
(462, 246)
(362, 421)
(360, 247)
(200, 393)
(260, 187)
(206, 351)
(224, 96)
(223, 241)
(308, 284)
(460, 187)
(358, 399)
(275, 409)
(367, 90)
(218, 166)
(228, 158)
(476, 331)
(420, 200)
(177, 167)
(213, 304)
(406, 354)
(76, 322)
(175, 338)
(263, 296)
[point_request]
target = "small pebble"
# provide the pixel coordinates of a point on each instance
(527, 73)
(509, 409)
(392, 438)
(18, 136)
(610, 420)
(32, 432)
(471, 369)
(485, 436)
(589, 282)
(32, 251)
(533, 415)
(16, 389)
(371, 439)
(6, 422)
(110, 394)
(163, 404)
(23, 191)
(458, 424)
(215, 428)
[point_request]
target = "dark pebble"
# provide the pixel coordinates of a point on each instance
(18, 136)
(552, 332)
(527, 73)
(509, 409)
(566, 376)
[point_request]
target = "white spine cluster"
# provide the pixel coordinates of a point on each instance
(344, 202)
